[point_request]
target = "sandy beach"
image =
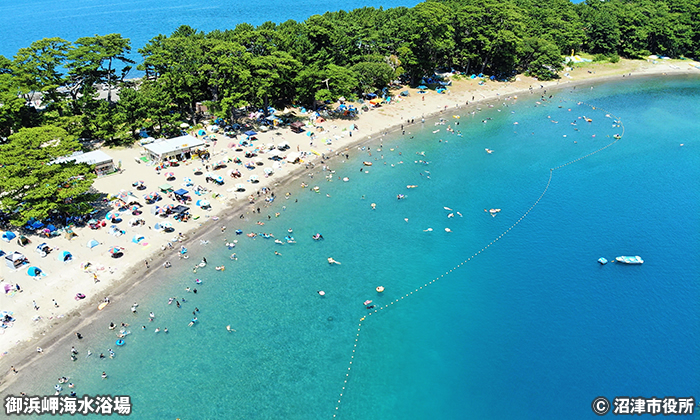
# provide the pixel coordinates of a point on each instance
(46, 311)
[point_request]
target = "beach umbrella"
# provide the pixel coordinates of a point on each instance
(209, 175)
(134, 208)
(154, 209)
(221, 163)
(253, 178)
(220, 179)
(122, 195)
(169, 175)
(168, 207)
(166, 225)
(421, 87)
(137, 238)
(8, 287)
(160, 211)
(115, 250)
(268, 170)
(111, 215)
(65, 256)
(187, 181)
(92, 243)
(119, 203)
(33, 271)
(240, 187)
(203, 203)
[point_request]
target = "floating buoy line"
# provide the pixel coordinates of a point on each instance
(616, 137)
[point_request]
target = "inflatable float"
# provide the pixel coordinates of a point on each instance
(102, 305)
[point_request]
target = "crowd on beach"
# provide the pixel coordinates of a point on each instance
(52, 296)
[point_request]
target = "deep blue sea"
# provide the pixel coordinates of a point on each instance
(532, 327)
(25, 21)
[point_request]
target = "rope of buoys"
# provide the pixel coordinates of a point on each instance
(616, 137)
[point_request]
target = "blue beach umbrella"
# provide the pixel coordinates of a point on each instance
(33, 271)
(203, 203)
(422, 87)
(112, 215)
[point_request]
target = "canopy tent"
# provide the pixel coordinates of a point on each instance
(181, 191)
(179, 209)
(297, 126)
(293, 157)
(8, 236)
(65, 256)
(15, 260)
(92, 243)
(166, 188)
(250, 133)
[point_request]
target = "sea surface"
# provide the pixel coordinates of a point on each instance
(529, 327)
(25, 21)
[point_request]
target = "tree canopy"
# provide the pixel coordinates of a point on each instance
(33, 187)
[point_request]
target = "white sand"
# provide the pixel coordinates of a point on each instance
(18, 343)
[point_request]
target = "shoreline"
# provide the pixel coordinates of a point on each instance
(122, 288)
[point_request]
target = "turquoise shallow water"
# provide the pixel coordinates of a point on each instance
(533, 327)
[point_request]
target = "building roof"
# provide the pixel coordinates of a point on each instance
(96, 157)
(163, 147)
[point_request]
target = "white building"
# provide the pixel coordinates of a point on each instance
(179, 147)
(102, 161)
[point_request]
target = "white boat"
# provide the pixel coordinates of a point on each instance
(630, 260)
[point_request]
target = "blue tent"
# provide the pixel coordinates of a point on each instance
(33, 271)
(65, 256)
(181, 191)
(92, 243)
(34, 224)
(201, 132)
(8, 236)
(137, 238)
(250, 133)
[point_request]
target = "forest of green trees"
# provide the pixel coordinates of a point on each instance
(323, 58)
